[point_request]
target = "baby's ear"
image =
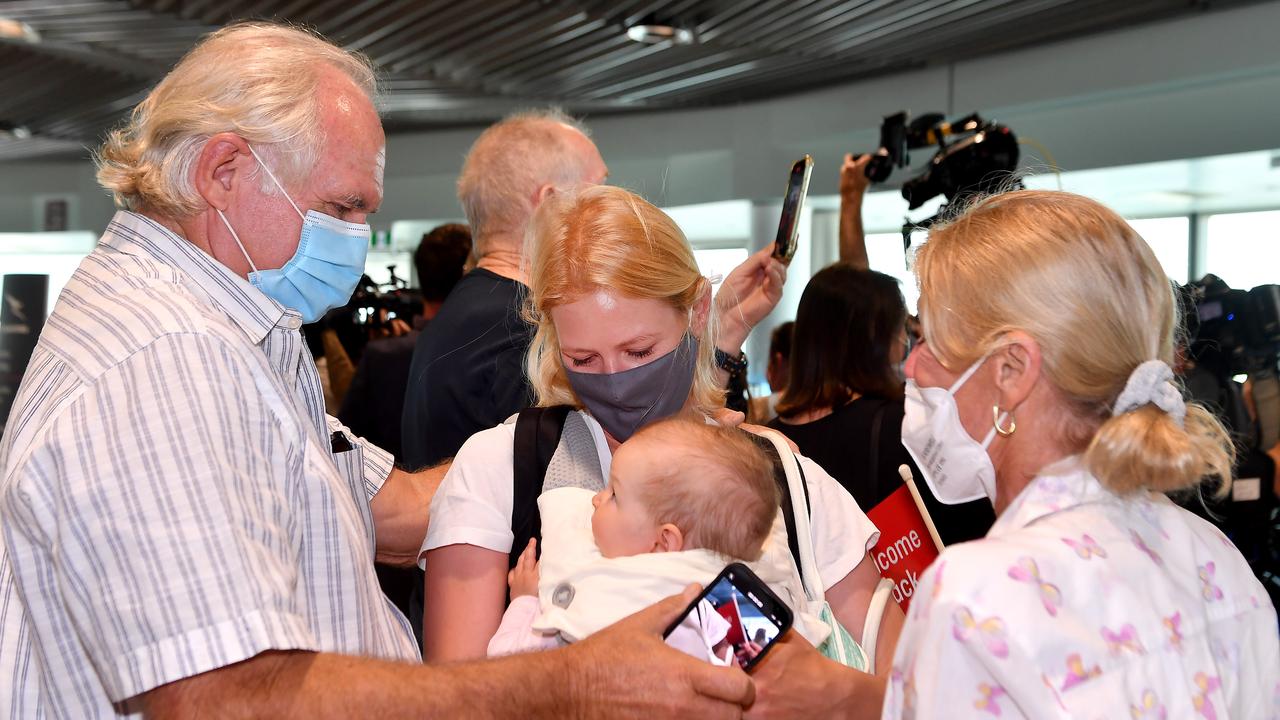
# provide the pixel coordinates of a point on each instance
(670, 539)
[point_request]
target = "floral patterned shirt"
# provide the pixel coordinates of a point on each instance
(1083, 604)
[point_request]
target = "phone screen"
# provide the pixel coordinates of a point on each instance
(797, 187)
(735, 620)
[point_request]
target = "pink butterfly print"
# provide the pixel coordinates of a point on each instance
(1142, 545)
(1148, 707)
(1172, 624)
(1053, 690)
(1077, 673)
(1027, 571)
(1086, 547)
(1200, 700)
(990, 631)
(1211, 592)
(1125, 639)
(987, 703)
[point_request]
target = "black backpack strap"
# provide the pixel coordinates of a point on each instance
(784, 491)
(538, 431)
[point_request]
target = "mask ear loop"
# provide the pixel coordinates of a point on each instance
(237, 239)
(272, 175)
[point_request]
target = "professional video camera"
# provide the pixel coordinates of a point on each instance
(1233, 333)
(371, 309)
(974, 156)
(1237, 331)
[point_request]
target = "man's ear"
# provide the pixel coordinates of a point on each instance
(224, 162)
(541, 194)
(1017, 368)
(670, 539)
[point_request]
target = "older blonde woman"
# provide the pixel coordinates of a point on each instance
(1044, 385)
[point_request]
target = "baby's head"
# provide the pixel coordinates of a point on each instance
(680, 484)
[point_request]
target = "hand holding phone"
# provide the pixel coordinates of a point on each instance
(735, 620)
(797, 188)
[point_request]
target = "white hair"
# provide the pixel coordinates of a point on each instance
(509, 162)
(257, 80)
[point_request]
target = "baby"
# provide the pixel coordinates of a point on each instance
(676, 486)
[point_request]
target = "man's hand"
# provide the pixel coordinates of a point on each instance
(748, 294)
(627, 671)
(853, 175)
(524, 578)
(795, 680)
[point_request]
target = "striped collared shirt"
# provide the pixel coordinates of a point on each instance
(169, 497)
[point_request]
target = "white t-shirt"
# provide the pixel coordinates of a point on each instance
(473, 504)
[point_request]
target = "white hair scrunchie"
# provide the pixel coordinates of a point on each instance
(1152, 382)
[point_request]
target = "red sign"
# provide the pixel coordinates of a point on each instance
(904, 549)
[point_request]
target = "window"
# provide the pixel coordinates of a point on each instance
(716, 263)
(884, 254)
(1170, 239)
(1243, 248)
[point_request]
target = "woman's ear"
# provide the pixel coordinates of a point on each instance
(224, 162)
(1017, 368)
(701, 311)
(670, 539)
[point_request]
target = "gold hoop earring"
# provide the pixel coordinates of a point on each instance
(995, 419)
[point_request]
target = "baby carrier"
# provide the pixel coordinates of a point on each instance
(554, 448)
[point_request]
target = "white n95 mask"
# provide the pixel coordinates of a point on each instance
(955, 465)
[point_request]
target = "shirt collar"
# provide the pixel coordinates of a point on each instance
(1061, 486)
(247, 306)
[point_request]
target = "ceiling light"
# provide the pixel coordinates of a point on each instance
(18, 30)
(654, 34)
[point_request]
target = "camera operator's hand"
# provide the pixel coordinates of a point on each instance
(853, 175)
(627, 671)
(853, 187)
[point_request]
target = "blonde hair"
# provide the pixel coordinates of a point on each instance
(509, 162)
(602, 237)
(1078, 279)
(718, 486)
(257, 80)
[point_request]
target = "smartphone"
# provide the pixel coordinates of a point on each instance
(797, 188)
(736, 620)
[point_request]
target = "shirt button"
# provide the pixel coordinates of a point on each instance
(293, 323)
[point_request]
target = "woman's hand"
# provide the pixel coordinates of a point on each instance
(795, 680)
(748, 294)
(524, 578)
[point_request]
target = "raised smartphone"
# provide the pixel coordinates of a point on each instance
(797, 188)
(736, 619)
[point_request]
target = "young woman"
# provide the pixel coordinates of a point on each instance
(625, 334)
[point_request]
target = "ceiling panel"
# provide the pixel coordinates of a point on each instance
(456, 62)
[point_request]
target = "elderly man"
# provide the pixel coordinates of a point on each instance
(468, 367)
(185, 531)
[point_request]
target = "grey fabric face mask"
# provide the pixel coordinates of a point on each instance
(623, 402)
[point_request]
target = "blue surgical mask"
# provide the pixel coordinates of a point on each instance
(325, 268)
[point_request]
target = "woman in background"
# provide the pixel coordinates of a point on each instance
(843, 403)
